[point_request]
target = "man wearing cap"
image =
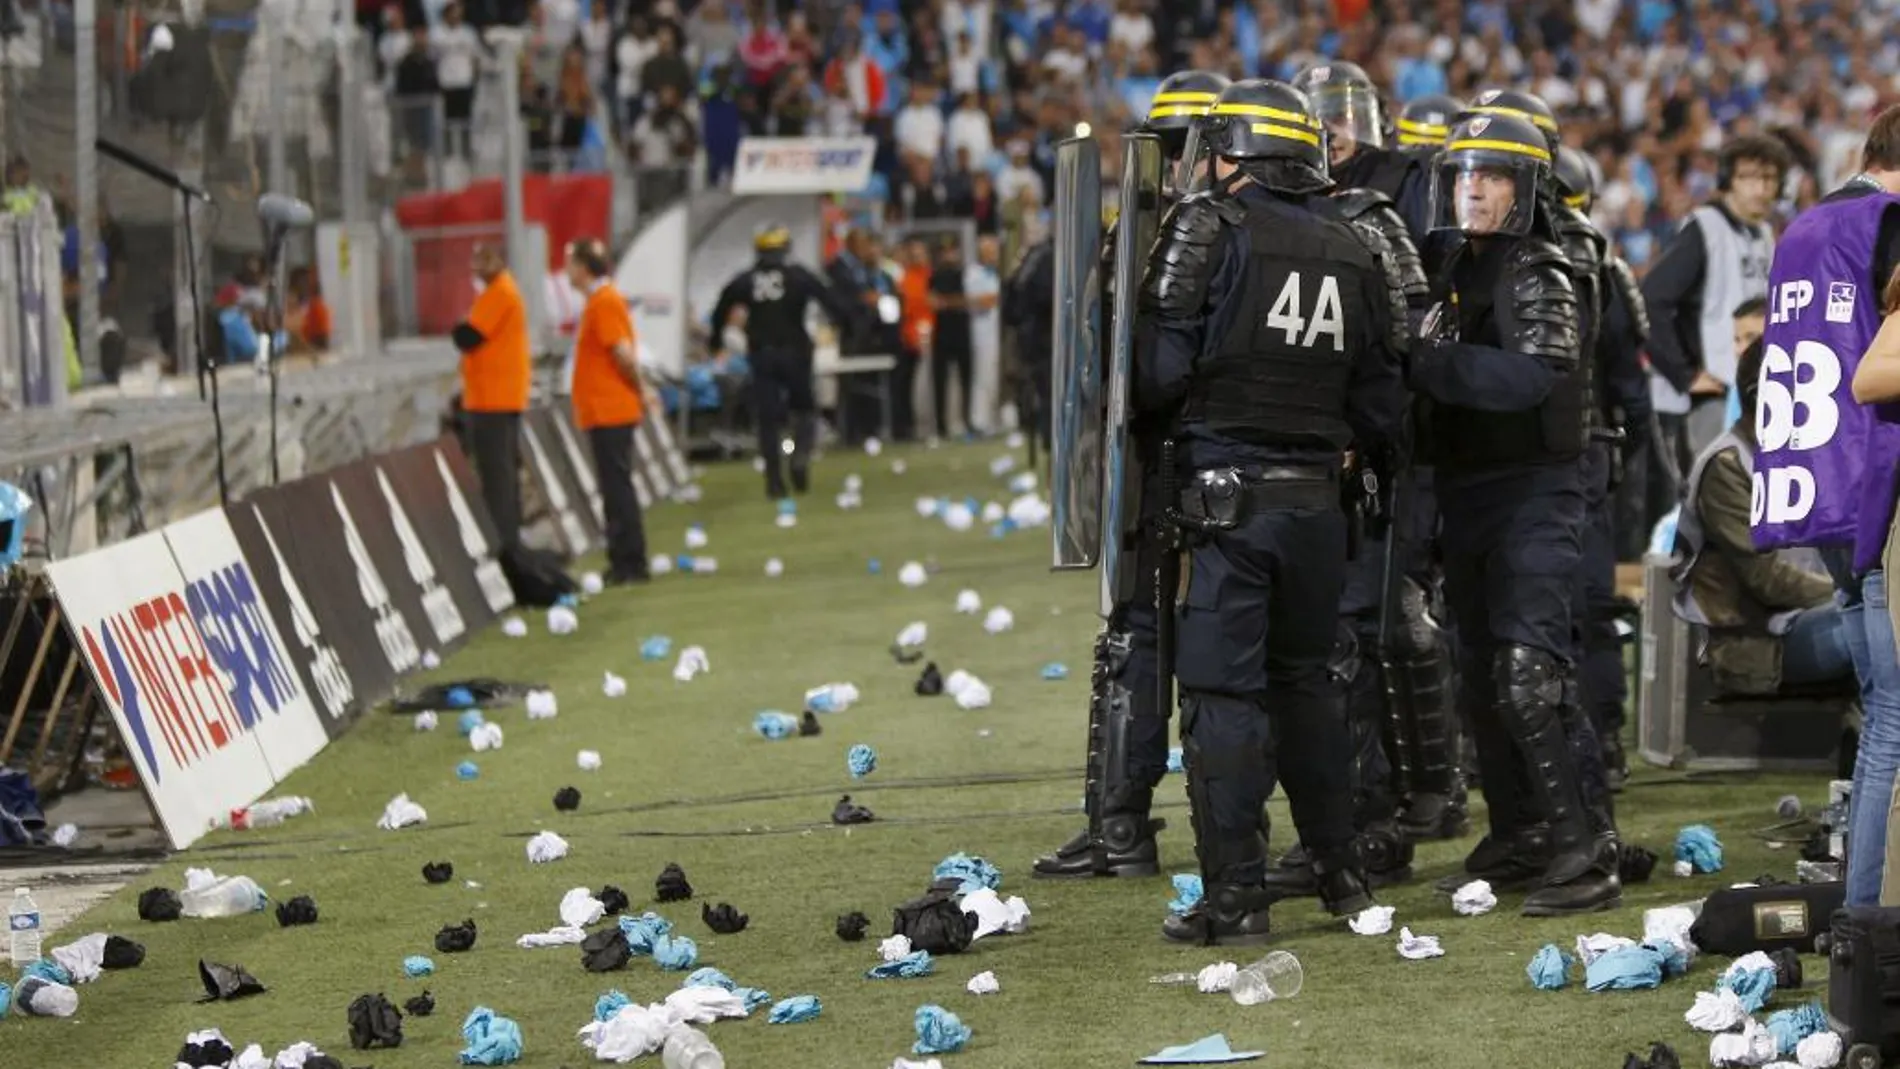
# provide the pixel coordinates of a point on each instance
(496, 372)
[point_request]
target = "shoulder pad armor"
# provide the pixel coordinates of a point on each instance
(1543, 316)
(1185, 255)
(1581, 240)
(1390, 263)
(1371, 208)
(1356, 202)
(1621, 284)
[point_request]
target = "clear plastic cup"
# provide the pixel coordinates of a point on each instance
(1276, 976)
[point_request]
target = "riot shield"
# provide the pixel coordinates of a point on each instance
(1075, 463)
(1139, 222)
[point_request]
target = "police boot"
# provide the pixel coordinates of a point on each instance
(774, 477)
(804, 430)
(1341, 876)
(1506, 863)
(1127, 849)
(1229, 914)
(1616, 765)
(1596, 887)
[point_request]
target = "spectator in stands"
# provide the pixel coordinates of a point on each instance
(306, 313)
(1769, 623)
(417, 92)
(919, 126)
(919, 323)
(577, 103)
(596, 38)
(982, 288)
(666, 68)
(859, 283)
(239, 312)
(496, 376)
(952, 344)
(861, 79)
(922, 194)
(394, 42)
(457, 51)
(663, 141)
(22, 196)
(609, 404)
(763, 51)
(794, 103)
(632, 49)
(714, 38)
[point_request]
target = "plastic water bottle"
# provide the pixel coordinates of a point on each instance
(23, 930)
(688, 1048)
(231, 896)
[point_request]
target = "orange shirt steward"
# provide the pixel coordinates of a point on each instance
(603, 396)
(496, 373)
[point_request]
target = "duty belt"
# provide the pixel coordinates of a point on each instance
(1220, 498)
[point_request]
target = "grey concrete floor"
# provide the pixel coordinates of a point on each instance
(113, 822)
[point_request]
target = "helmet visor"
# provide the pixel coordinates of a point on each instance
(1484, 192)
(1352, 115)
(1183, 174)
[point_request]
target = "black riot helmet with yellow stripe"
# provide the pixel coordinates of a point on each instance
(1424, 122)
(1178, 105)
(1576, 180)
(1344, 98)
(1516, 104)
(1486, 179)
(1268, 129)
(772, 242)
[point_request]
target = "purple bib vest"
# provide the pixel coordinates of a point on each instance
(1824, 469)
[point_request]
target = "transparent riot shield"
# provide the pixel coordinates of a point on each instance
(1139, 221)
(1075, 463)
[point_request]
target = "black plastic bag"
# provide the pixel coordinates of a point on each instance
(438, 872)
(613, 900)
(935, 922)
(421, 1006)
(123, 953)
(723, 918)
(225, 983)
(851, 926)
(160, 904)
(1633, 863)
(671, 886)
(374, 1023)
(213, 1052)
(456, 938)
(567, 799)
(605, 951)
(299, 910)
(930, 684)
(845, 812)
(809, 725)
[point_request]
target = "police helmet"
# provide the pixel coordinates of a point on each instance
(1486, 179)
(1343, 97)
(1516, 104)
(1576, 179)
(1180, 100)
(1424, 122)
(772, 242)
(1268, 128)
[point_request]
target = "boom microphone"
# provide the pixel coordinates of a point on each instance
(149, 169)
(278, 212)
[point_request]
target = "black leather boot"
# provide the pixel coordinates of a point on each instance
(1230, 914)
(1616, 764)
(1127, 849)
(1596, 887)
(1430, 816)
(1504, 863)
(1342, 883)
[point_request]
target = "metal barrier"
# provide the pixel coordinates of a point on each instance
(54, 706)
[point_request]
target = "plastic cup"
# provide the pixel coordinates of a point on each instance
(1276, 976)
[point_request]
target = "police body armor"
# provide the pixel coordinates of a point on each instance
(1531, 309)
(1588, 250)
(1375, 209)
(1619, 288)
(1380, 170)
(775, 314)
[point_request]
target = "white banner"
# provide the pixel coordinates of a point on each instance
(127, 608)
(652, 276)
(250, 656)
(769, 166)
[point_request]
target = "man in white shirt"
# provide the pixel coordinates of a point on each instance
(457, 51)
(982, 288)
(919, 126)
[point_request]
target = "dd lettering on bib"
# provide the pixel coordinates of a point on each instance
(1824, 466)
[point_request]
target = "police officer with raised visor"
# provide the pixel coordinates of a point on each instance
(1128, 676)
(1273, 335)
(1500, 357)
(775, 295)
(1345, 100)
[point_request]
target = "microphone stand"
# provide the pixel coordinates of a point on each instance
(206, 369)
(273, 326)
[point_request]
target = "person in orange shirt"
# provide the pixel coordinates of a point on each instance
(308, 318)
(496, 362)
(919, 323)
(607, 404)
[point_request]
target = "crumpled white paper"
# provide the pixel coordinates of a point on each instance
(894, 948)
(927, 507)
(588, 760)
(1753, 1045)
(295, 1055)
(1029, 511)
(591, 584)
(430, 660)
(1822, 1050)
(969, 602)
(1782, 1065)
(541, 704)
(843, 696)
(613, 686)
(1372, 920)
(913, 635)
(660, 564)
(85, 958)
(1474, 899)
(898, 467)
(993, 512)
(692, 662)
(774, 568)
(514, 627)
(1669, 926)
(705, 565)
(486, 737)
(1215, 978)
(957, 517)
(702, 1005)
(912, 574)
(783, 519)
(854, 483)
(1592, 947)
(1418, 947)
(872, 446)
(399, 813)
(65, 835)
(1753, 961)
(579, 908)
(562, 620)
(1022, 482)
(545, 847)
(632, 1032)
(1684, 869)
(1716, 1011)
(993, 914)
(561, 936)
(850, 500)
(695, 537)
(983, 983)
(426, 720)
(901, 1063)
(974, 696)
(1003, 465)
(999, 620)
(252, 1057)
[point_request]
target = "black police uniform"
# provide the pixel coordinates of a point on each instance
(1126, 661)
(1277, 335)
(1506, 370)
(775, 294)
(1030, 311)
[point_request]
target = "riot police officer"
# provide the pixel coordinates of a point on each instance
(1348, 103)
(1423, 123)
(1276, 341)
(1500, 356)
(1127, 721)
(1621, 392)
(775, 294)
